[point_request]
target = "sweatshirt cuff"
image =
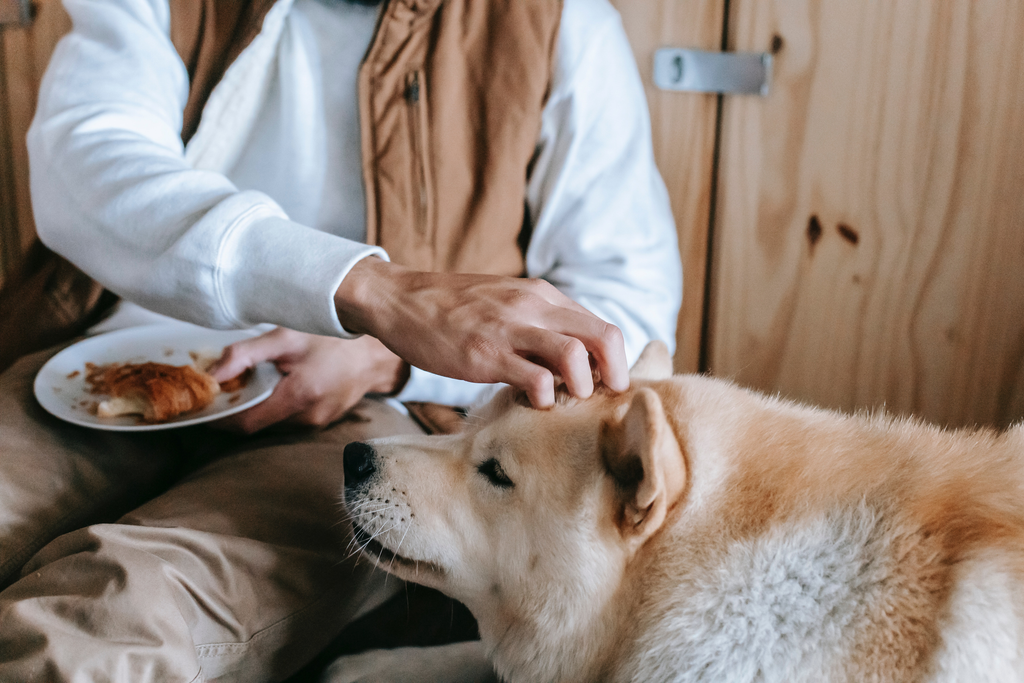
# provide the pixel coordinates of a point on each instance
(278, 271)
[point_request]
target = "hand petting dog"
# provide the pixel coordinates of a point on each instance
(479, 328)
(484, 328)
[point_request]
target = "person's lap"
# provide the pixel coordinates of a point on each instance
(55, 476)
(239, 571)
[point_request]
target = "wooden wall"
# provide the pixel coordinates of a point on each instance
(869, 248)
(684, 142)
(24, 53)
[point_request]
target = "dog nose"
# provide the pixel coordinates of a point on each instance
(358, 463)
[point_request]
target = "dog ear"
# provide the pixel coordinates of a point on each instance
(654, 363)
(644, 457)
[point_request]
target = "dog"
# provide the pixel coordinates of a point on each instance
(692, 530)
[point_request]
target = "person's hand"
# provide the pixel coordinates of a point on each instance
(323, 376)
(484, 328)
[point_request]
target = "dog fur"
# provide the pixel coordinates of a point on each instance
(691, 530)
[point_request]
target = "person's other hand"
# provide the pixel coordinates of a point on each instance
(484, 328)
(323, 376)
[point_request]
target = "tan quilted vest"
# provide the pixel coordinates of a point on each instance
(451, 94)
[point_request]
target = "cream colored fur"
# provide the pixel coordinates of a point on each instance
(690, 530)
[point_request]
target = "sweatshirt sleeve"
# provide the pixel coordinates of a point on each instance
(603, 231)
(113, 192)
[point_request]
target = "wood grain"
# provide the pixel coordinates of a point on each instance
(870, 241)
(25, 54)
(684, 141)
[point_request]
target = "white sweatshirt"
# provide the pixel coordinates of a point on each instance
(261, 216)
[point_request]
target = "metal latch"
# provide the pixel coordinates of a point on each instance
(15, 12)
(737, 73)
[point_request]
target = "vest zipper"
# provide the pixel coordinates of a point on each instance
(414, 97)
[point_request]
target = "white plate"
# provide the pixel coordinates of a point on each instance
(60, 385)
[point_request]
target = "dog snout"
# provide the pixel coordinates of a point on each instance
(359, 463)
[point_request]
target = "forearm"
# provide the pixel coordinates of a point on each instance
(114, 192)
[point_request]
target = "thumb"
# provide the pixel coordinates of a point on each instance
(240, 356)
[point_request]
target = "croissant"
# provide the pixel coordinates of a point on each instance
(156, 391)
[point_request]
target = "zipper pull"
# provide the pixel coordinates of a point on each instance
(412, 87)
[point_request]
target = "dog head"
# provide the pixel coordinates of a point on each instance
(529, 517)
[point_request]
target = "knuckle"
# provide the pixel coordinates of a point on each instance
(323, 417)
(539, 381)
(544, 291)
(543, 286)
(304, 394)
(574, 351)
(316, 417)
(286, 340)
(479, 347)
(517, 296)
(528, 289)
(248, 426)
(483, 359)
(612, 335)
(315, 391)
(532, 282)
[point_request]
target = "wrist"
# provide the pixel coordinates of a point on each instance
(399, 379)
(360, 294)
(390, 375)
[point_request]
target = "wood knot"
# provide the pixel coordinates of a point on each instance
(848, 233)
(814, 230)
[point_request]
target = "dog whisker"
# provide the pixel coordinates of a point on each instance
(372, 537)
(396, 552)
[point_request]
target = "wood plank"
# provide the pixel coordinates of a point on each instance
(684, 141)
(870, 243)
(26, 52)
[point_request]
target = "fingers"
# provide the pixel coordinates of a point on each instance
(295, 400)
(579, 337)
(535, 380)
(323, 377)
(492, 329)
(281, 405)
(565, 355)
(569, 357)
(568, 353)
(245, 354)
(609, 352)
(601, 339)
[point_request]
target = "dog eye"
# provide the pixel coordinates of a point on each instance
(492, 470)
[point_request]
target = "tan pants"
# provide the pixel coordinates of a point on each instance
(239, 571)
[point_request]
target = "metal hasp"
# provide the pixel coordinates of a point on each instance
(732, 73)
(15, 13)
